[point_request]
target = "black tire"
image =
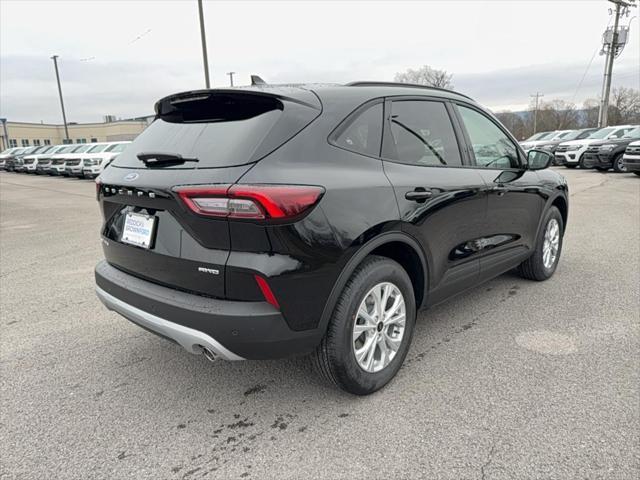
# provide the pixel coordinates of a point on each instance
(581, 161)
(618, 166)
(335, 358)
(533, 268)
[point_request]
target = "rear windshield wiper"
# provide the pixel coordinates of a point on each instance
(163, 159)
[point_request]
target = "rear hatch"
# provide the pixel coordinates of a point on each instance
(207, 137)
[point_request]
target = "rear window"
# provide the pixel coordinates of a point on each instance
(218, 129)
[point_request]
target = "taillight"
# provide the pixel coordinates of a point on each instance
(248, 201)
(98, 188)
(266, 291)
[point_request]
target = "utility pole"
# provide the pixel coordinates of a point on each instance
(204, 46)
(613, 42)
(5, 136)
(537, 96)
(231, 74)
(64, 116)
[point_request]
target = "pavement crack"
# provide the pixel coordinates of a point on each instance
(601, 184)
(488, 461)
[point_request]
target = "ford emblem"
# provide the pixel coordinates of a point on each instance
(130, 177)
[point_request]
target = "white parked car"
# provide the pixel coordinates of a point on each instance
(57, 165)
(536, 139)
(95, 162)
(8, 153)
(74, 161)
(30, 160)
(42, 159)
(571, 153)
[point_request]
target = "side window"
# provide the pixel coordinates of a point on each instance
(422, 134)
(491, 146)
(620, 133)
(363, 133)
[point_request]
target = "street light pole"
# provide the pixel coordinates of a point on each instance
(231, 74)
(64, 116)
(204, 45)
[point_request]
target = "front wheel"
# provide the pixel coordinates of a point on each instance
(371, 328)
(618, 165)
(542, 264)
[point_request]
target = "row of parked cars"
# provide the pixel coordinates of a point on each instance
(85, 160)
(616, 147)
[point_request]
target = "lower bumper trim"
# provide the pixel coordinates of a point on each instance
(191, 340)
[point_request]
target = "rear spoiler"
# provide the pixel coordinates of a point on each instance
(171, 103)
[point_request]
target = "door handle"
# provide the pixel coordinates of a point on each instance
(419, 194)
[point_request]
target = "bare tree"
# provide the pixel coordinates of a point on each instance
(624, 106)
(426, 75)
(515, 123)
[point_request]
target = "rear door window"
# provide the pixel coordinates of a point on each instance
(422, 134)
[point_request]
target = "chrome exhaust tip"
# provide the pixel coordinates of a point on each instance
(209, 355)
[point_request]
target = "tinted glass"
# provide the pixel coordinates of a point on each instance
(582, 134)
(423, 134)
(364, 133)
(491, 147)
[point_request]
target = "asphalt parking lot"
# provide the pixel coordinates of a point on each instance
(514, 379)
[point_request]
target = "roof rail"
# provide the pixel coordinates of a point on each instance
(400, 84)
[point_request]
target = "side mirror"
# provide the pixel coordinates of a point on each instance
(538, 159)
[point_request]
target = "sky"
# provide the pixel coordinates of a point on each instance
(118, 57)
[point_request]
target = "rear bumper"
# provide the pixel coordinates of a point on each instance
(232, 330)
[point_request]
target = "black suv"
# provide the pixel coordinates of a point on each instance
(607, 154)
(262, 222)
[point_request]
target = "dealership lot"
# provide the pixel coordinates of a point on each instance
(513, 379)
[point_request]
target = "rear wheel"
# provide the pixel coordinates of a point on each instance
(618, 164)
(371, 328)
(542, 264)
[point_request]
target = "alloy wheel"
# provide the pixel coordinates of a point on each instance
(551, 243)
(379, 327)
